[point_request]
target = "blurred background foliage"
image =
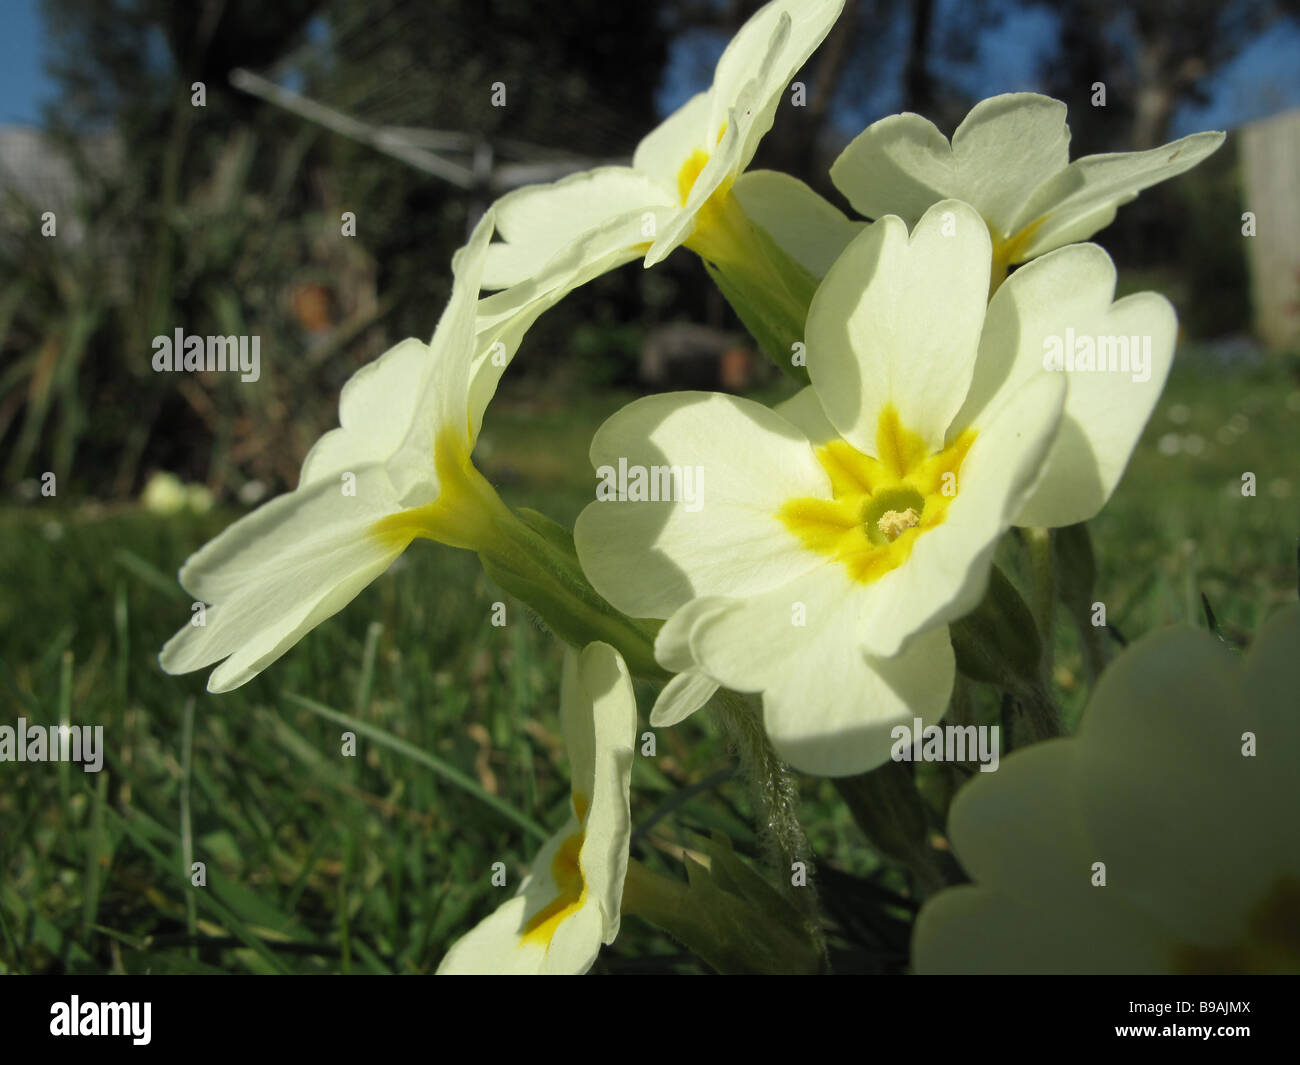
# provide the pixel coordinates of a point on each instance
(225, 219)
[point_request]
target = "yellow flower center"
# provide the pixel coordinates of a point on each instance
(566, 871)
(1271, 944)
(463, 514)
(881, 505)
(892, 524)
(721, 232)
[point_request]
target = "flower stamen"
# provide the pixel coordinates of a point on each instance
(893, 523)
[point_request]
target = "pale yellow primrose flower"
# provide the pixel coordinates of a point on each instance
(678, 187)
(1198, 837)
(834, 538)
(397, 468)
(571, 902)
(164, 494)
(805, 226)
(1009, 159)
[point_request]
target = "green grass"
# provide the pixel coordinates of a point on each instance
(321, 863)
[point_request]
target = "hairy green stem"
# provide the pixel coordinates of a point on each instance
(775, 790)
(768, 290)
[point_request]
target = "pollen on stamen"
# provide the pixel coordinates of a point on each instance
(893, 523)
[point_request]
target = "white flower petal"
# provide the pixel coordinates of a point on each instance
(538, 222)
(495, 946)
(1041, 849)
(1004, 149)
(504, 317)
(691, 688)
(758, 63)
(804, 411)
(686, 693)
(897, 323)
(1023, 834)
(377, 414)
(1081, 199)
(900, 165)
(598, 716)
(1008, 159)
(673, 643)
(1028, 833)
(1157, 786)
(947, 572)
(649, 558)
(1054, 302)
(827, 706)
(599, 719)
(499, 945)
(811, 230)
(1175, 708)
(820, 727)
(748, 84)
(454, 347)
(971, 929)
(277, 573)
(1272, 679)
(723, 164)
(391, 409)
(663, 151)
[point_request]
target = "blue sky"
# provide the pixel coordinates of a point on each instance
(23, 83)
(1262, 80)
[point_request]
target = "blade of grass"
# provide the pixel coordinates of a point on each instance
(94, 850)
(149, 573)
(121, 629)
(220, 912)
(187, 834)
(448, 773)
(367, 667)
(65, 723)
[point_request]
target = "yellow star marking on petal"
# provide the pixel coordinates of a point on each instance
(462, 515)
(881, 505)
(690, 172)
(694, 165)
(566, 870)
(721, 232)
(1271, 944)
(580, 806)
(1007, 252)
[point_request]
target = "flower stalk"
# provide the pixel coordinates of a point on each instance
(532, 557)
(725, 914)
(768, 290)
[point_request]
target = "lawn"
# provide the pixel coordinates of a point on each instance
(318, 862)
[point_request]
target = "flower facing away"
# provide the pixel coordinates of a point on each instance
(1161, 838)
(678, 189)
(831, 540)
(1009, 159)
(571, 903)
(397, 468)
